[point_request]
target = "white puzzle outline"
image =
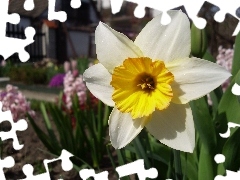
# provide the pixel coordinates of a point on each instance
(192, 8)
(11, 45)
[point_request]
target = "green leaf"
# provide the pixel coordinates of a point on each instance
(207, 167)
(204, 124)
(189, 167)
(141, 151)
(237, 78)
(229, 105)
(42, 136)
(215, 99)
(198, 41)
(50, 131)
(231, 151)
(236, 59)
(209, 57)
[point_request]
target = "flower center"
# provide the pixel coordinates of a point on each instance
(146, 82)
(141, 86)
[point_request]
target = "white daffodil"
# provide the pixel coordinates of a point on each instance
(151, 80)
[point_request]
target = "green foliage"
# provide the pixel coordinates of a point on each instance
(236, 57)
(82, 133)
(52, 71)
(27, 74)
(231, 151)
(4, 70)
(198, 41)
(82, 64)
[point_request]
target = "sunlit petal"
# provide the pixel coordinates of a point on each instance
(195, 78)
(113, 47)
(168, 42)
(98, 80)
(174, 127)
(123, 129)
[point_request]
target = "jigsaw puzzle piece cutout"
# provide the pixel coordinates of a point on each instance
(53, 15)
(5, 17)
(230, 175)
(87, 173)
(28, 171)
(13, 45)
(28, 5)
(228, 132)
(139, 11)
(66, 166)
(192, 8)
(227, 27)
(219, 158)
(116, 5)
(236, 89)
(155, 4)
(75, 4)
(137, 167)
(7, 162)
(9, 45)
(227, 7)
(20, 125)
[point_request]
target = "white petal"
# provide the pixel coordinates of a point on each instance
(113, 47)
(168, 42)
(98, 81)
(123, 129)
(174, 127)
(195, 78)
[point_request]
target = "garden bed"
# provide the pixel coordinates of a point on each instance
(34, 152)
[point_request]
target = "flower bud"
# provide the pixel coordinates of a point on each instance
(198, 41)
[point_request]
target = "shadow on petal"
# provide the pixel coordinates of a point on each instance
(178, 94)
(174, 127)
(166, 123)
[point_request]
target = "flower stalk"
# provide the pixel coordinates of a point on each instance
(177, 165)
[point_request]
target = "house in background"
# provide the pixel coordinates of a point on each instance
(27, 18)
(61, 41)
(124, 21)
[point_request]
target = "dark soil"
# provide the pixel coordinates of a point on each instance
(34, 153)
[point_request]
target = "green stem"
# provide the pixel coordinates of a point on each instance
(177, 164)
(1, 144)
(141, 151)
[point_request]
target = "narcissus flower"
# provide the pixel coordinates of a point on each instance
(150, 81)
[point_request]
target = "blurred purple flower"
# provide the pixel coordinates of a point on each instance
(225, 58)
(57, 80)
(13, 100)
(74, 85)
